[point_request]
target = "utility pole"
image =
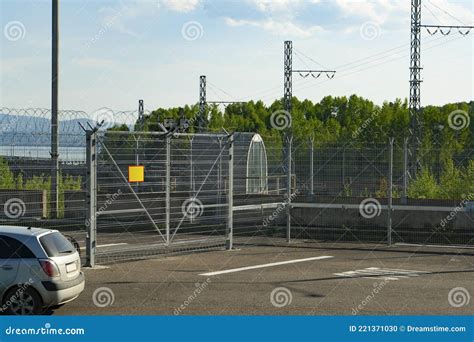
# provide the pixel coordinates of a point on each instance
(54, 110)
(416, 129)
(287, 97)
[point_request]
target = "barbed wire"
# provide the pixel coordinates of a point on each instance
(32, 126)
(38, 120)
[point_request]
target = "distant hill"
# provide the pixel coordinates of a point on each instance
(23, 130)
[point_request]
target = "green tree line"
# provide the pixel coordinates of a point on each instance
(446, 149)
(41, 182)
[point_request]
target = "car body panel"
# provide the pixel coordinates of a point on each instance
(27, 272)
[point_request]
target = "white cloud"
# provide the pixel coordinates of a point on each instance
(180, 5)
(275, 5)
(280, 28)
(377, 10)
(382, 11)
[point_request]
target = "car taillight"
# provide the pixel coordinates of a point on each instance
(49, 267)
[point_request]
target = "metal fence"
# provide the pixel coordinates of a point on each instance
(363, 194)
(178, 202)
(214, 190)
(26, 197)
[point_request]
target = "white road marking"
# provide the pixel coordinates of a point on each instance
(265, 265)
(383, 273)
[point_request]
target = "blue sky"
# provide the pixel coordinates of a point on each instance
(113, 53)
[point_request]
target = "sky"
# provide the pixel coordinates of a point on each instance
(113, 53)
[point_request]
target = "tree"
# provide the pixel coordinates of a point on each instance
(7, 179)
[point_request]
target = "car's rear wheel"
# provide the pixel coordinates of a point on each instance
(20, 301)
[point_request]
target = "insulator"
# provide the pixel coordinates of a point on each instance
(445, 33)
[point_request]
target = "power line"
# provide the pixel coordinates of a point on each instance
(369, 60)
(311, 59)
(342, 75)
(446, 12)
(345, 67)
(431, 12)
(221, 90)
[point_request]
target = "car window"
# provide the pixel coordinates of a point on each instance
(55, 244)
(11, 248)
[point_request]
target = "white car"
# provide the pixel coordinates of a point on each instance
(39, 269)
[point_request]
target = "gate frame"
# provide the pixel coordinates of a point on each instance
(91, 196)
(92, 140)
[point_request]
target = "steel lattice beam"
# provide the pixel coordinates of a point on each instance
(287, 76)
(415, 129)
(202, 119)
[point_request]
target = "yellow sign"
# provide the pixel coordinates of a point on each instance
(136, 173)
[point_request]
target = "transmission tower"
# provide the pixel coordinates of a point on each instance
(141, 115)
(287, 97)
(288, 75)
(202, 116)
(416, 129)
(202, 119)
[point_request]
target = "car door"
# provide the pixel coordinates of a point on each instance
(8, 262)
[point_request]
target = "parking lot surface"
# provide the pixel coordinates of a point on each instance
(299, 279)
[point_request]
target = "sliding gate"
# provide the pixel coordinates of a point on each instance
(152, 193)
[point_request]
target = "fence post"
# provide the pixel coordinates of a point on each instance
(405, 171)
(91, 197)
(390, 191)
(289, 142)
(168, 189)
(230, 197)
(343, 168)
(311, 166)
